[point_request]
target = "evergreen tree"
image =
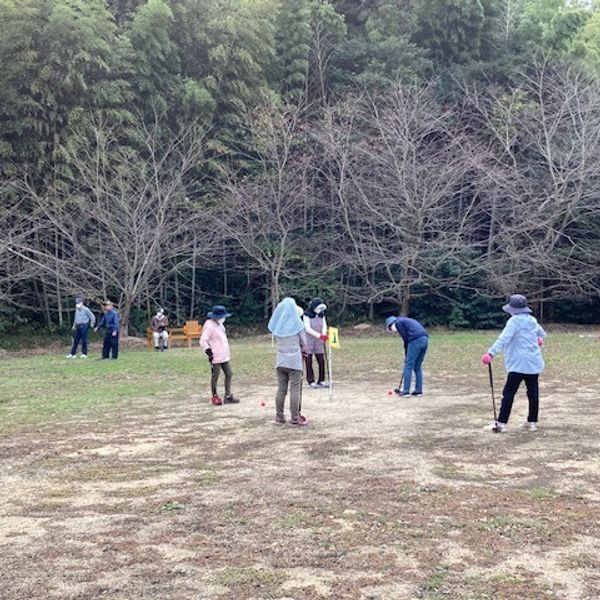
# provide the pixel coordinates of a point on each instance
(293, 43)
(328, 34)
(450, 30)
(60, 59)
(156, 58)
(585, 45)
(379, 49)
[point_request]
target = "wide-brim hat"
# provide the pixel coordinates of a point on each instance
(517, 305)
(389, 321)
(219, 312)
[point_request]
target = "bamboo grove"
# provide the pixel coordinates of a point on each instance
(426, 157)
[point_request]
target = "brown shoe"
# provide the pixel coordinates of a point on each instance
(216, 400)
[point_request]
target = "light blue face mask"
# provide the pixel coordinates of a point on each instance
(285, 320)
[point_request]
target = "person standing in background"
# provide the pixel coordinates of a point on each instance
(83, 321)
(111, 322)
(315, 325)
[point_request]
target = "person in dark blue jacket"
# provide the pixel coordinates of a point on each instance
(416, 341)
(111, 322)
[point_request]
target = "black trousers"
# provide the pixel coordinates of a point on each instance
(513, 381)
(310, 375)
(110, 345)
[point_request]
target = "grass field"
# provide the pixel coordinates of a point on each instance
(120, 481)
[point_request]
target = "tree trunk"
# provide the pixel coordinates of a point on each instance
(404, 304)
(225, 281)
(59, 306)
(177, 313)
(193, 285)
(125, 315)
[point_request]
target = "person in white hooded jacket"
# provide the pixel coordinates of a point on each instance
(521, 341)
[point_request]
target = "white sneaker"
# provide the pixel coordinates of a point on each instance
(496, 426)
(70, 356)
(323, 384)
(314, 385)
(84, 356)
(530, 425)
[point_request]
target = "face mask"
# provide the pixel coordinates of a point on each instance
(392, 328)
(221, 321)
(320, 309)
(80, 305)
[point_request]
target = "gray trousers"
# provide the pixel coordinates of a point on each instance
(292, 378)
(216, 369)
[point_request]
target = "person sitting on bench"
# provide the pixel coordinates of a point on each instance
(160, 334)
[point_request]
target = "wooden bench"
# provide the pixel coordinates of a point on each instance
(192, 330)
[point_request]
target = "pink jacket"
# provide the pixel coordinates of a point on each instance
(214, 337)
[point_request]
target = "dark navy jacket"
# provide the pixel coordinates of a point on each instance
(409, 329)
(110, 320)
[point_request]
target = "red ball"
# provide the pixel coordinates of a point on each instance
(263, 403)
(390, 393)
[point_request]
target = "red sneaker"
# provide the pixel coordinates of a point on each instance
(216, 400)
(302, 418)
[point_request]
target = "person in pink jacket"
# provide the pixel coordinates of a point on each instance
(216, 346)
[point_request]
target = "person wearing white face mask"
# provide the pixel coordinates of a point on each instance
(159, 326)
(83, 321)
(315, 324)
(216, 346)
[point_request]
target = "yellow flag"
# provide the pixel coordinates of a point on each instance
(334, 337)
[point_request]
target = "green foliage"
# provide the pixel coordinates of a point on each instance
(60, 58)
(450, 30)
(379, 49)
(155, 59)
(293, 41)
(549, 26)
(585, 44)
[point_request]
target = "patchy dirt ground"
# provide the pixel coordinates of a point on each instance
(377, 499)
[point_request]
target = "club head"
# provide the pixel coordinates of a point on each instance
(495, 428)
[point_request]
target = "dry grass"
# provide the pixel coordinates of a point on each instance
(166, 497)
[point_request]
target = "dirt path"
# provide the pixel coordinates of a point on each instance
(379, 498)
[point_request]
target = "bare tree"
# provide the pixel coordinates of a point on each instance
(116, 229)
(263, 212)
(405, 196)
(543, 182)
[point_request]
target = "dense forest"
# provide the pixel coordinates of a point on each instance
(429, 157)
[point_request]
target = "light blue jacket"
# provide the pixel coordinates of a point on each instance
(519, 341)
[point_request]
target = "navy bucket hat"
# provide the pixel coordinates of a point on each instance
(517, 305)
(218, 312)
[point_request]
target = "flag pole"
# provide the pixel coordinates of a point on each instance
(330, 360)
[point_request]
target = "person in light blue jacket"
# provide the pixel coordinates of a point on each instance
(521, 341)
